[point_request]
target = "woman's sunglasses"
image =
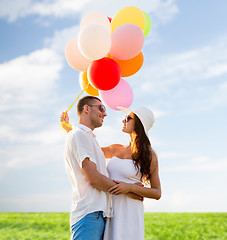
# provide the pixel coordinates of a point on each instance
(102, 108)
(127, 118)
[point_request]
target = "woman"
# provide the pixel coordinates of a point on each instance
(134, 163)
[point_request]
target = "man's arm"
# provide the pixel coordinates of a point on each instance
(95, 178)
(100, 181)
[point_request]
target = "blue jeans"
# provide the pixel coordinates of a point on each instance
(89, 227)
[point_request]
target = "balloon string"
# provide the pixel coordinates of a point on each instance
(77, 97)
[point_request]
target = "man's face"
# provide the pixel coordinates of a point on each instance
(97, 112)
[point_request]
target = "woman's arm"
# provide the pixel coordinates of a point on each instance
(111, 150)
(107, 152)
(154, 191)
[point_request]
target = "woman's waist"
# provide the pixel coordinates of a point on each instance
(126, 179)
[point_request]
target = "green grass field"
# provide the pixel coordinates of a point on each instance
(158, 226)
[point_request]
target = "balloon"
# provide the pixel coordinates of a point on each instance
(147, 25)
(84, 82)
(110, 19)
(121, 95)
(128, 15)
(104, 74)
(127, 42)
(74, 57)
(94, 41)
(95, 18)
(130, 66)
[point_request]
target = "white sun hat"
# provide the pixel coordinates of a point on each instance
(145, 115)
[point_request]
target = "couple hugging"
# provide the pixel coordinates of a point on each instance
(108, 200)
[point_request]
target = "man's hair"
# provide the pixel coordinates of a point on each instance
(87, 100)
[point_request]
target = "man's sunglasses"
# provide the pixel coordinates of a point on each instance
(127, 118)
(102, 108)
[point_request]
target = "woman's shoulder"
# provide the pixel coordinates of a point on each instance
(115, 146)
(111, 150)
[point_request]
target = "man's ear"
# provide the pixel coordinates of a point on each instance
(86, 108)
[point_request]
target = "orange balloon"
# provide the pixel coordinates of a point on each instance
(130, 66)
(109, 56)
(84, 82)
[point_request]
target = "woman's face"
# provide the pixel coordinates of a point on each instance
(128, 122)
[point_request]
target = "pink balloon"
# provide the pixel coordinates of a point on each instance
(126, 41)
(121, 95)
(74, 57)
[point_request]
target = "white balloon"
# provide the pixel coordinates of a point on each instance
(95, 18)
(94, 41)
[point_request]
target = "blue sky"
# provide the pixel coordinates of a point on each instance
(183, 80)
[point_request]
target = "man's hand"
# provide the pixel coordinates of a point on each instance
(64, 117)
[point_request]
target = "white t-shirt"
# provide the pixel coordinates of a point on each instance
(81, 143)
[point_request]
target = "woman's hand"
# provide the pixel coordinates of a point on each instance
(120, 187)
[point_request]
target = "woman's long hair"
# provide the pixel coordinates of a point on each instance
(141, 150)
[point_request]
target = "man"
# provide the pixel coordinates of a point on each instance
(87, 170)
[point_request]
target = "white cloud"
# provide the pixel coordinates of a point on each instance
(31, 149)
(58, 8)
(58, 42)
(160, 11)
(28, 86)
(194, 80)
(12, 10)
(27, 80)
(51, 135)
(197, 65)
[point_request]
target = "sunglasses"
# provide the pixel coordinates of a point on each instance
(102, 108)
(127, 118)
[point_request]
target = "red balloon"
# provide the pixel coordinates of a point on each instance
(110, 19)
(104, 74)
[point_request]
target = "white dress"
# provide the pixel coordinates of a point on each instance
(128, 214)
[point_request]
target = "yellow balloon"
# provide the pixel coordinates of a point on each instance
(84, 82)
(128, 15)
